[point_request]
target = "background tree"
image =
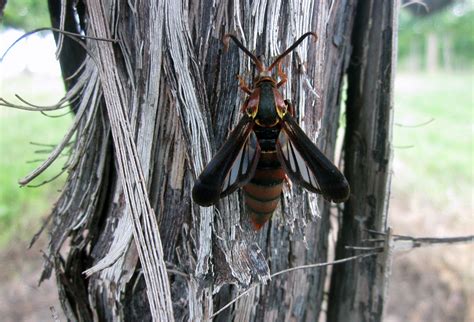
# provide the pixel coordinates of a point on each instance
(436, 35)
(154, 103)
(26, 14)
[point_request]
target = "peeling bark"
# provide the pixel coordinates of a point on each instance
(358, 289)
(178, 89)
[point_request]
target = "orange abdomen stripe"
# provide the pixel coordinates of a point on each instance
(262, 194)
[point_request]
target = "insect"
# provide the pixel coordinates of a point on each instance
(265, 147)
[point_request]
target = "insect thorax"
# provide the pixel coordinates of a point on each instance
(267, 115)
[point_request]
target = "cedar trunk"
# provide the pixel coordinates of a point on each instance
(153, 108)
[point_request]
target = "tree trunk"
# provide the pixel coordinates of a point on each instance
(358, 289)
(177, 90)
(447, 46)
(414, 59)
(432, 52)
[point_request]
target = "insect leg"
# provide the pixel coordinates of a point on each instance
(289, 107)
(288, 181)
(243, 85)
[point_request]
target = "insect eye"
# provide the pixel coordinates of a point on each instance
(281, 110)
(252, 111)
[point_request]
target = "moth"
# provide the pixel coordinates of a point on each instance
(266, 147)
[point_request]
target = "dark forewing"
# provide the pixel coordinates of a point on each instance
(306, 165)
(232, 166)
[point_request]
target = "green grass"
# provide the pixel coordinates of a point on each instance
(434, 161)
(21, 208)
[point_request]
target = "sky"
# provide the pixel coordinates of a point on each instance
(35, 54)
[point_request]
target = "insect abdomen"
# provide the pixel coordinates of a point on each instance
(262, 193)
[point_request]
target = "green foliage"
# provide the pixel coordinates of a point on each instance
(26, 14)
(454, 23)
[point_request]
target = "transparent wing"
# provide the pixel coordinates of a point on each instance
(232, 166)
(243, 167)
(306, 165)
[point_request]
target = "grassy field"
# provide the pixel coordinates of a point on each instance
(432, 195)
(432, 187)
(433, 136)
(21, 209)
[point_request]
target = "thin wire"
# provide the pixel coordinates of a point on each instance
(339, 261)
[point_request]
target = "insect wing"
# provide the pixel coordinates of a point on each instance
(306, 165)
(232, 167)
(243, 167)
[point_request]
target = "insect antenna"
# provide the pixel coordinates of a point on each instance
(257, 62)
(291, 48)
